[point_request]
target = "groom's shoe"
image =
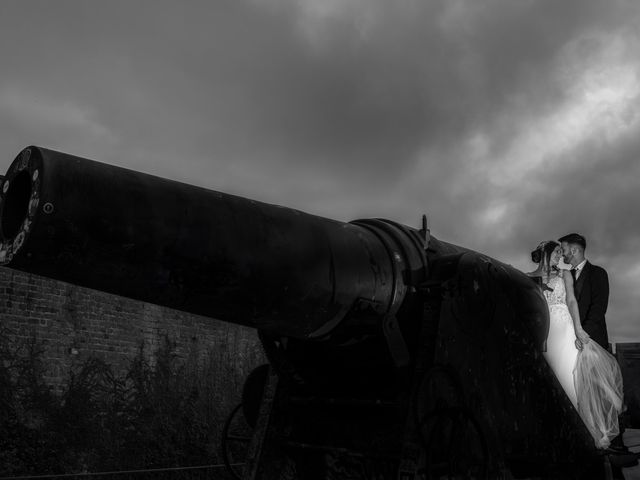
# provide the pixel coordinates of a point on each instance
(619, 448)
(621, 459)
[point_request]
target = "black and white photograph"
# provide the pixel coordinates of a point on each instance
(319, 239)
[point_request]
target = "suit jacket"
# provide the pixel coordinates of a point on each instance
(592, 292)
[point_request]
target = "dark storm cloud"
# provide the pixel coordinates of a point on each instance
(600, 202)
(505, 121)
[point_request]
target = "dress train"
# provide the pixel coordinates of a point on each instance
(591, 377)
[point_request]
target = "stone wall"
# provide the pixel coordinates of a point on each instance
(74, 323)
(629, 358)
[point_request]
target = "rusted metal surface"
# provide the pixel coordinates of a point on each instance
(487, 379)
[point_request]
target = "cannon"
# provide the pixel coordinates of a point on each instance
(392, 354)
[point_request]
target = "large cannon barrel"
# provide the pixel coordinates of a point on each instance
(202, 251)
(422, 345)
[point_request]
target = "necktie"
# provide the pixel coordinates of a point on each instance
(573, 273)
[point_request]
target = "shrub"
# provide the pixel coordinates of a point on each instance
(152, 416)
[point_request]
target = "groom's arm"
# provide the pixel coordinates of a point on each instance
(599, 298)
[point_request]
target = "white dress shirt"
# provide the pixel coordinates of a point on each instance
(578, 268)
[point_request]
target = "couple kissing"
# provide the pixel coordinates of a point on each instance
(577, 342)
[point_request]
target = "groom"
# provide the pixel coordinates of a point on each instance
(591, 286)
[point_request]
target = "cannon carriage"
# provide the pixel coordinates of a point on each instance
(392, 354)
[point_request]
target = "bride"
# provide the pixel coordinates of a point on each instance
(588, 374)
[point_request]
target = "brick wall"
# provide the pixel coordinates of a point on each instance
(73, 323)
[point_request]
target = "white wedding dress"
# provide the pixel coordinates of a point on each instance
(561, 354)
(591, 377)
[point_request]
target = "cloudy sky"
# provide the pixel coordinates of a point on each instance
(505, 121)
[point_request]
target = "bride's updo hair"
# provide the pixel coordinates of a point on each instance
(543, 252)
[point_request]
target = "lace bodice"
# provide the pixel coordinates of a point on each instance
(559, 295)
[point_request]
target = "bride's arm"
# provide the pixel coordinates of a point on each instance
(572, 303)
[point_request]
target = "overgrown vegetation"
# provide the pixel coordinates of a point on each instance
(152, 416)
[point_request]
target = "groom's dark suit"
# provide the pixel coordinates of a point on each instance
(592, 292)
